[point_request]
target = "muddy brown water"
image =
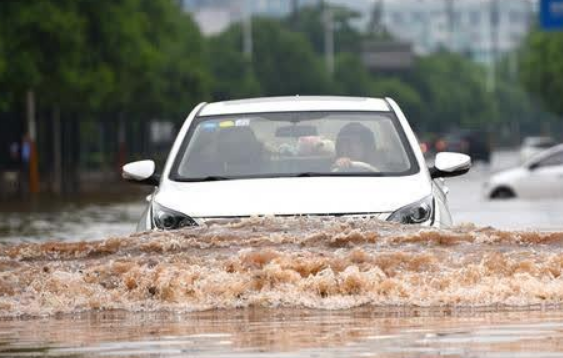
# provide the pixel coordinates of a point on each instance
(286, 287)
(75, 283)
(287, 333)
(283, 262)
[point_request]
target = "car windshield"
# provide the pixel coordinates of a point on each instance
(294, 144)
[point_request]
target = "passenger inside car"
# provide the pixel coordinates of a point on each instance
(355, 149)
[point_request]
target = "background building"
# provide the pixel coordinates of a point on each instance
(479, 28)
(214, 16)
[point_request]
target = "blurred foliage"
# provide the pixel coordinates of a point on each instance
(541, 68)
(409, 99)
(351, 76)
(453, 91)
(141, 59)
(311, 23)
(233, 76)
(283, 62)
(3, 99)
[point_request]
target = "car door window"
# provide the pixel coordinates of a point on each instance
(552, 160)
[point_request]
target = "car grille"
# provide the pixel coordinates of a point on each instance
(379, 216)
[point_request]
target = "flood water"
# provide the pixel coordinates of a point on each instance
(468, 206)
(288, 333)
(274, 287)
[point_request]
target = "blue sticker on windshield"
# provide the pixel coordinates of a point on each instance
(209, 126)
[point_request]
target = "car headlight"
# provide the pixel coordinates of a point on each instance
(168, 219)
(416, 213)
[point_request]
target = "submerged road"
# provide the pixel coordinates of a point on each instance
(270, 289)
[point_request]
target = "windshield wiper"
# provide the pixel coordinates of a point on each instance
(212, 178)
(312, 174)
(337, 174)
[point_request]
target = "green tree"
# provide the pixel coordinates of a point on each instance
(123, 51)
(453, 91)
(311, 23)
(109, 61)
(517, 109)
(3, 100)
(283, 61)
(351, 76)
(178, 78)
(233, 76)
(43, 54)
(405, 95)
(541, 68)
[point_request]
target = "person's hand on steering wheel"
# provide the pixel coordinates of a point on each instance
(344, 164)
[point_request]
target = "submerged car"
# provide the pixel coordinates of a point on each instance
(296, 156)
(539, 177)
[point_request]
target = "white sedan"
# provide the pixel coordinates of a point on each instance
(292, 156)
(539, 177)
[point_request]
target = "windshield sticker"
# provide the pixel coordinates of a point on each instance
(242, 122)
(226, 124)
(209, 126)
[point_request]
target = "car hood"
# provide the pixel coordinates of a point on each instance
(293, 196)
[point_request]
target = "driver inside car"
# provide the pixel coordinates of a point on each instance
(355, 149)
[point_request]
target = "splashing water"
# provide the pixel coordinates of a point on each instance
(290, 262)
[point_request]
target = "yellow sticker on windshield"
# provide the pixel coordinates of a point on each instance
(227, 124)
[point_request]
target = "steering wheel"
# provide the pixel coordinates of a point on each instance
(356, 167)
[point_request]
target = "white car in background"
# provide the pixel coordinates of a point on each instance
(535, 145)
(539, 177)
(283, 156)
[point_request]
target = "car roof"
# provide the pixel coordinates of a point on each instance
(555, 149)
(544, 154)
(295, 104)
(538, 140)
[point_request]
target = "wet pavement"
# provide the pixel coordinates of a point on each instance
(69, 220)
(286, 288)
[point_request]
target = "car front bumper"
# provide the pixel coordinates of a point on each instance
(146, 223)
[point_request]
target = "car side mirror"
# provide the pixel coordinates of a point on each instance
(447, 165)
(141, 172)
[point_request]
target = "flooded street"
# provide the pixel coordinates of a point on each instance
(288, 333)
(468, 205)
(286, 287)
(280, 150)
(67, 220)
